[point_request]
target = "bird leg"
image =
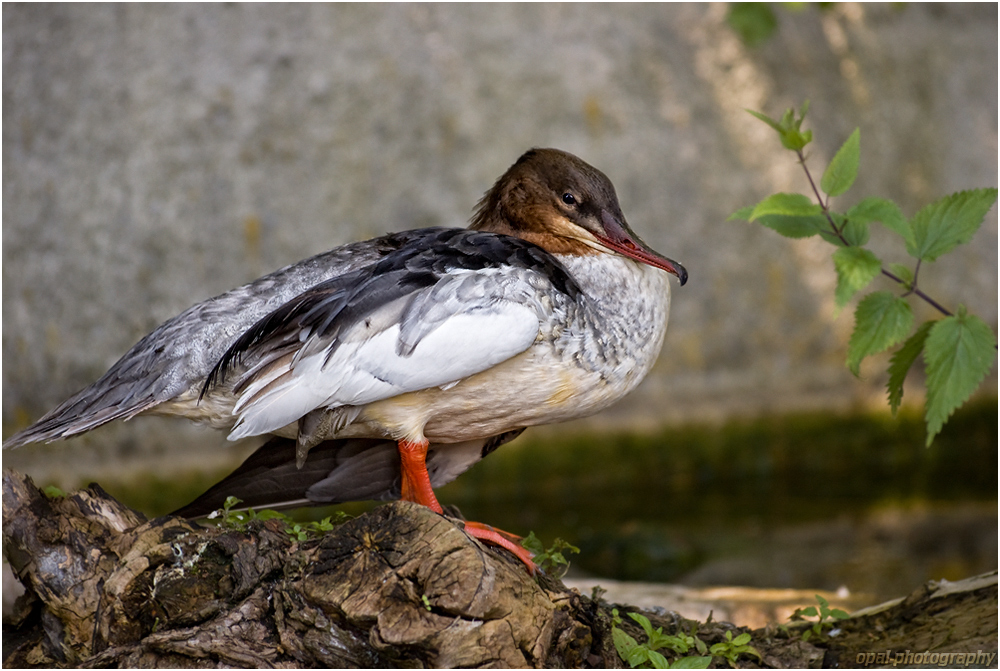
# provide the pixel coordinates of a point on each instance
(416, 487)
(416, 484)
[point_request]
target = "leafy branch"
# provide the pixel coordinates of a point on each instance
(960, 348)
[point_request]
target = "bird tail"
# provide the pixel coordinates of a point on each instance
(335, 471)
(85, 410)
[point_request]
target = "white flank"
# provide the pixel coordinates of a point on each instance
(359, 373)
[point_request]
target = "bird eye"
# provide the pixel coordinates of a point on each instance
(569, 199)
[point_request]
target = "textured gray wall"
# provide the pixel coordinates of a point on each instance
(155, 155)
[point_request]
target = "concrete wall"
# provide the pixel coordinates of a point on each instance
(155, 155)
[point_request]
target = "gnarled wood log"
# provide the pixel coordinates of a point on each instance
(400, 586)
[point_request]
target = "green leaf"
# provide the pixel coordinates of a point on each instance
(657, 660)
(742, 639)
(679, 644)
(787, 204)
(855, 232)
(856, 268)
(843, 169)
(902, 272)
(886, 211)
(637, 656)
(948, 222)
(899, 364)
(794, 227)
(643, 622)
(624, 643)
(742, 214)
(959, 352)
(692, 663)
(532, 544)
(880, 321)
(766, 119)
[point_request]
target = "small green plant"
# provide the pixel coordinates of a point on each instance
(300, 531)
(825, 616)
(731, 648)
(53, 492)
(959, 349)
(647, 655)
(303, 531)
(552, 560)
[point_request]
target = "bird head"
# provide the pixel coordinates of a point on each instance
(566, 206)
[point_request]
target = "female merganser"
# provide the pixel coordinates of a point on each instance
(405, 359)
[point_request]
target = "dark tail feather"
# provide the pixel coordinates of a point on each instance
(336, 471)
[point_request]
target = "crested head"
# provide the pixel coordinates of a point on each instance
(566, 206)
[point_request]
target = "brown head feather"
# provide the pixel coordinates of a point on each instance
(565, 206)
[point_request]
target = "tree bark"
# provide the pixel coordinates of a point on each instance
(400, 586)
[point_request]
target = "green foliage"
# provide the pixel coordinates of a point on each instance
(856, 268)
(787, 204)
(948, 222)
(793, 226)
(885, 211)
(843, 169)
(881, 321)
(646, 655)
(959, 352)
(959, 349)
(790, 127)
(239, 519)
(731, 648)
(53, 492)
(550, 560)
(754, 22)
(824, 616)
(899, 364)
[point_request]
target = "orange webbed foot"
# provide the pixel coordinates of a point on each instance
(508, 541)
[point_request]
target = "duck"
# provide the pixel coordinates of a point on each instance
(385, 368)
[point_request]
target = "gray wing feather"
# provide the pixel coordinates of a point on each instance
(175, 358)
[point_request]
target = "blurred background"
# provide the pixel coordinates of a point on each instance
(156, 155)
